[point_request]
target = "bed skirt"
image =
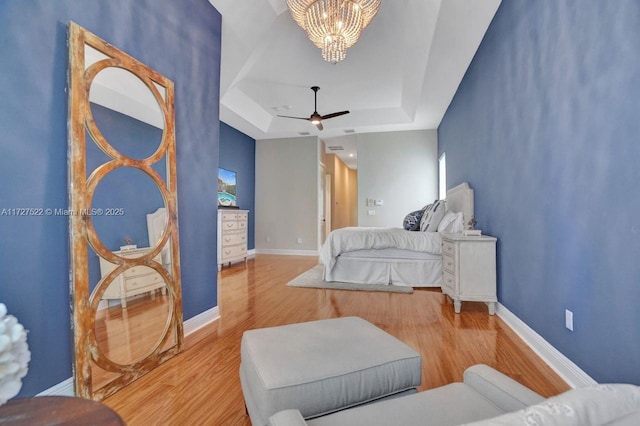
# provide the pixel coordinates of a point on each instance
(402, 272)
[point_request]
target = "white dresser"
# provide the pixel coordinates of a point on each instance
(232, 236)
(469, 269)
(133, 281)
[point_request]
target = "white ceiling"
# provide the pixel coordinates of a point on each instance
(401, 75)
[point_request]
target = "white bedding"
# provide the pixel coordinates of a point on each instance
(359, 238)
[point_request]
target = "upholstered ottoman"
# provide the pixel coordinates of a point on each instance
(323, 366)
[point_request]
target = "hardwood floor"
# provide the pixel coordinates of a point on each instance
(200, 386)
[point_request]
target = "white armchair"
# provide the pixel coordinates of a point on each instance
(487, 397)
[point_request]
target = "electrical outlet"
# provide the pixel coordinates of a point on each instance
(299, 240)
(268, 239)
(371, 212)
(568, 319)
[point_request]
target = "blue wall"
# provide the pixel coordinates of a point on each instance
(180, 40)
(238, 153)
(545, 127)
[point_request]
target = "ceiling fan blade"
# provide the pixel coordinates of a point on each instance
(297, 118)
(335, 114)
(319, 126)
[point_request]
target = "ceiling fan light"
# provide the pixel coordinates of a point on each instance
(340, 21)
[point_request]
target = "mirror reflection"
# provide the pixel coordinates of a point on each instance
(127, 332)
(120, 203)
(126, 113)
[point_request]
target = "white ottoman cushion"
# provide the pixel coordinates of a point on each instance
(322, 366)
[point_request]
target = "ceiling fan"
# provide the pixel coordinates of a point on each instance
(316, 118)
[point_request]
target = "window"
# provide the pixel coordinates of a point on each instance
(442, 177)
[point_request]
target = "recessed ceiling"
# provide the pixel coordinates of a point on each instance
(401, 75)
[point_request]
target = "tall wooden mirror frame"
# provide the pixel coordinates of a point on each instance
(87, 353)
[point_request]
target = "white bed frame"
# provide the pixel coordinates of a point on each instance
(408, 272)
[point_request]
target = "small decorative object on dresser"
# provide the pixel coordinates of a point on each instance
(469, 269)
(232, 236)
(128, 244)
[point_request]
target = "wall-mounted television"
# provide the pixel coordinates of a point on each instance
(227, 191)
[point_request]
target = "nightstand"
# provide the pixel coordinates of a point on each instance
(469, 269)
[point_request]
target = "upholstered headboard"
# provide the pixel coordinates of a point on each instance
(460, 199)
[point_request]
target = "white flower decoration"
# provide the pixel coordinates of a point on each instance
(14, 355)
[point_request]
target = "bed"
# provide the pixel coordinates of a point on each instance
(391, 256)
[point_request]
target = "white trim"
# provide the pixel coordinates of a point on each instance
(194, 324)
(570, 372)
(289, 252)
(251, 253)
(65, 388)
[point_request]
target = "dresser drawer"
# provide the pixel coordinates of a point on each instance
(448, 248)
(449, 263)
(233, 251)
(230, 216)
(153, 280)
(449, 281)
(226, 225)
(231, 239)
(137, 271)
(242, 224)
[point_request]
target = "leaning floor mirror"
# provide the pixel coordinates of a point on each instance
(125, 263)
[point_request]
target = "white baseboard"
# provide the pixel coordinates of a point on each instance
(64, 388)
(191, 325)
(251, 253)
(566, 369)
(196, 323)
(289, 252)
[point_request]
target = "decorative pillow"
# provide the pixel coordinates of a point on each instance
(425, 211)
(433, 217)
(451, 223)
(411, 221)
(447, 220)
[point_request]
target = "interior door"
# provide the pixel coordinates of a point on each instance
(327, 207)
(322, 223)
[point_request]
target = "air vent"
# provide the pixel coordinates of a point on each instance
(349, 131)
(336, 148)
(304, 133)
(281, 108)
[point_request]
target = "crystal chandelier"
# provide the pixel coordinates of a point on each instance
(333, 25)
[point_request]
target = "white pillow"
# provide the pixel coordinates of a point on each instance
(451, 223)
(433, 217)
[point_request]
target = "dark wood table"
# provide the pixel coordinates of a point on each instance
(57, 410)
